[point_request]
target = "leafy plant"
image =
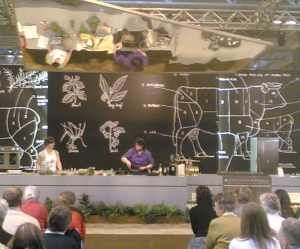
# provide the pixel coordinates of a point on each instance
(85, 206)
(93, 23)
(58, 30)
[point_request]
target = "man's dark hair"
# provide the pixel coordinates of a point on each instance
(13, 196)
(59, 218)
(140, 141)
(49, 140)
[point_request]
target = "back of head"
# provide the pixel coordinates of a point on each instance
(67, 198)
(31, 192)
(59, 218)
(13, 196)
(204, 196)
(270, 203)
(285, 203)
(245, 195)
(27, 236)
(290, 231)
(226, 201)
(254, 225)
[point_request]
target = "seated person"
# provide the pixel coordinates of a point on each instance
(4, 236)
(77, 223)
(289, 234)
(58, 222)
(138, 158)
(227, 226)
(271, 204)
(33, 207)
(15, 217)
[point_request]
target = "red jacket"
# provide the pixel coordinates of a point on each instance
(36, 210)
(78, 223)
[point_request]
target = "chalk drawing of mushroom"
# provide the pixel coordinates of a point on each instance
(74, 133)
(111, 131)
(73, 90)
(112, 95)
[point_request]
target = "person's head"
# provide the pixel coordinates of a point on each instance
(49, 143)
(224, 202)
(290, 233)
(31, 193)
(67, 198)
(13, 196)
(204, 196)
(3, 210)
(244, 195)
(285, 203)
(270, 203)
(27, 236)
(139, 144)
(254, 225)
(59, 218)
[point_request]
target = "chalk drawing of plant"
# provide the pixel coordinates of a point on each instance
(24, 79)
(112, 95)
(74, 134)
(73, 90)
(111, 131)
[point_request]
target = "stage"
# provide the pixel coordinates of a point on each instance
(130, 190)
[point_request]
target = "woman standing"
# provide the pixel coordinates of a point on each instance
(48, 158)
(255, 230)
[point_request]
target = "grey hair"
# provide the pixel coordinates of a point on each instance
(270, 203)
(3, 209)
(290, 231)
(31, 192)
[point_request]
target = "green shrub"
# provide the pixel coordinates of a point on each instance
(85, 206)
(48, 203)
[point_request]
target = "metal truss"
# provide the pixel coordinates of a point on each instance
(231, 19)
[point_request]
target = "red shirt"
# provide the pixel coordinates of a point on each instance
(36, 210)
(77, 223)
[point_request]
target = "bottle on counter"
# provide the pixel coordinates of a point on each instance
(160, 170)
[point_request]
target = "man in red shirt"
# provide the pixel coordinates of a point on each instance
(68, 198)
(33, 207)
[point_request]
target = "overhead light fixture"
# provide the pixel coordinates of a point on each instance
(290, 22)
(277, 21)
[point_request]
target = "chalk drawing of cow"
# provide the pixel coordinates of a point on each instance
(280, 127)
(20, 129)
(239, 111)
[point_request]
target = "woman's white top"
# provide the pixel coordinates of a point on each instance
(48, 160)
(239, 243)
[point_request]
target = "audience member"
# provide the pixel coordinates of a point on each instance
(201, 215)
(15, 217)
(285, 203)
(33, 207)
(290, 234)
(27, 236)
(244, 195)
(68, 198)
(255, 230)
(226, 227)
(271, 204)
(203, 212)
(58, 222)
(4, 236)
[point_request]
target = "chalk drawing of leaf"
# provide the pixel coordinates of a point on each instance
(103, 85)
(67, 77)
(80, 85)
(119, 96)
(119, 83)
(67, 87)
(68, 98)
(81, 95)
